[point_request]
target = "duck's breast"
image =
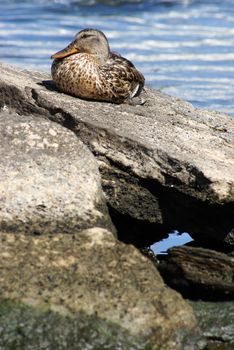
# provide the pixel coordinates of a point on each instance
(76, 74)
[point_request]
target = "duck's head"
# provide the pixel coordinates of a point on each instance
(90, 41)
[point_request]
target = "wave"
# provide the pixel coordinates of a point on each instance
(112, 3)
(120, 2)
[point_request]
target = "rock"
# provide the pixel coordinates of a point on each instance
(166, 163)
(199, 273)
(39, 328)
(216, 321)
(94, 274)
(49, 180)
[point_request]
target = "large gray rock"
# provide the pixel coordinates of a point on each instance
(164, 163)
(93, 273)
(49, 180)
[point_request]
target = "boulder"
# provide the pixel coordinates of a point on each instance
(90, 274)
(49, 180)
(165, 163)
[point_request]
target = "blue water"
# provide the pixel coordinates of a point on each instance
(174, 239)
(185, 48)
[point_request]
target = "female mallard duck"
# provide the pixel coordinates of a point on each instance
(87, 68)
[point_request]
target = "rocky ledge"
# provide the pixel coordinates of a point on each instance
(164, 165)
(74, 175)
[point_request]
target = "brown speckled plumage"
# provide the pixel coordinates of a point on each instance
(87, 68)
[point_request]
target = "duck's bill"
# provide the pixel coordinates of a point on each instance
(69, 50)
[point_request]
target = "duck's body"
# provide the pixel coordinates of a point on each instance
(88, 69)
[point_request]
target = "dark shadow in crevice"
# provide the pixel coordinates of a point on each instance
(209, 224)
(137, 232)
(194, 291)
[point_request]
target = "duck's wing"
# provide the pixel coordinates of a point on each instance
(125, 80)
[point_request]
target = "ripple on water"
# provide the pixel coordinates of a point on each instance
(185, 48)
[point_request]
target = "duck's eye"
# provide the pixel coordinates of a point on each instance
(85, 36)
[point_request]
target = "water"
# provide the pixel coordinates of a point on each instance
(185, 48)
(174, 239)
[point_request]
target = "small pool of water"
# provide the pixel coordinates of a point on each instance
(174, 239)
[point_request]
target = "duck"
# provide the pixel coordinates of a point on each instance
(88, 69)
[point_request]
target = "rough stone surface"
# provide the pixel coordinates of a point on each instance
(92, 272)
(166, 153)
(199, 272)
(216, 322)
(25, 327)
(49, 180)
